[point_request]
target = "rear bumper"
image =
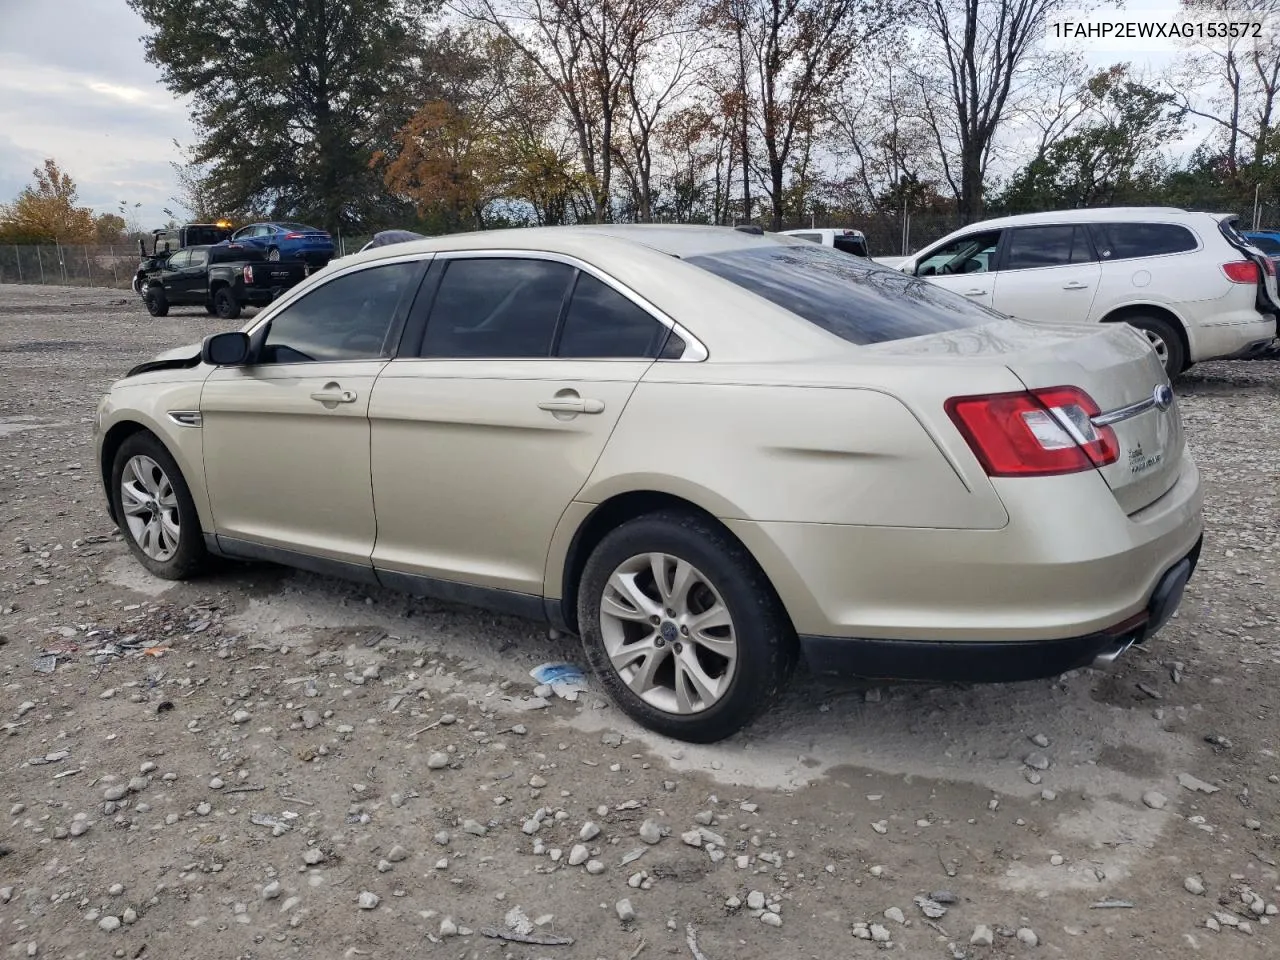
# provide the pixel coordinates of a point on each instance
(259, 296)
(999, 661)
(1231, 336)
(317, 256)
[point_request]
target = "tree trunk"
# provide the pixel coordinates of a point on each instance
(970, 184)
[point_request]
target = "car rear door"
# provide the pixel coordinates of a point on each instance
(481, 443)
(286, 438)
(1047, 273)
(965, 265)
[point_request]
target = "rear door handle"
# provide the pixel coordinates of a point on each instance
(1075, 285)
(975, 293)
(332, 393)
(572, 405)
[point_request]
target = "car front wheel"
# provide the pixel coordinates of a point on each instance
(682, 627)
(157, 302)
(273, 255)
(155, 511)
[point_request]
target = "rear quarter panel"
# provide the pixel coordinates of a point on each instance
(782, 449)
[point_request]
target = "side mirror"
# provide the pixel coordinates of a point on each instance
(225, 349)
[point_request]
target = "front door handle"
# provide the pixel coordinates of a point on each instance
(572, 404)
(1075, 285)
(334, 394)
(975, 293)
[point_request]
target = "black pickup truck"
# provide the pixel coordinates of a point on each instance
(223, 280)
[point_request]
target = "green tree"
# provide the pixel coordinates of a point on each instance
(1115, 156)
(291, 97)
(108, 228)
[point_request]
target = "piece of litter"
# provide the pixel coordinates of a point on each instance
(566, 680)
(45, 664)
(535, 939)
(1111, 905)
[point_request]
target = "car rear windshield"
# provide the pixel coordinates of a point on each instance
(855, 299)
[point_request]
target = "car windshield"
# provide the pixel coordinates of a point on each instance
(853, 298)
(300, 227)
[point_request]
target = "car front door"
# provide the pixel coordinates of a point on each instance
(187, 283)
(965, 265)
(171, 275)
(286, 437)
(1048, 273)
(481, 444)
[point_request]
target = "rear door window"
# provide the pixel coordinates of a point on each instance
(1057, 246)
(857, 300)
(199, 258)
(500, 307)
(601, 322)
(811, 237)
(1125, 241)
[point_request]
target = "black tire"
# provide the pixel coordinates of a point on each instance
(766, 644)
(157, 302)
(273, 254)
(210, 309)
(225, 303)
(190, 557)
(1158, 328)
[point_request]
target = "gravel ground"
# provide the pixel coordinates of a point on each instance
(277, 764)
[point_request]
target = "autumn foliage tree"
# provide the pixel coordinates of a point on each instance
(47, 211)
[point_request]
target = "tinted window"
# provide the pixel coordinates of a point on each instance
(1268, 245)
(855, 245)
(347, 318)
(974, 253)
(855, 299)
(497, 308)
(199, 257)
(180, 260)
(603, 323)
(1031, 247)
(1122, 241)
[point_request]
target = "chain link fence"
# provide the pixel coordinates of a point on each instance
(94, 265)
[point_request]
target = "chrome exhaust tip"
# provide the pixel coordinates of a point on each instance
(1108, 657)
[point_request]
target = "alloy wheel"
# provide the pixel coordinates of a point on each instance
(150, 508)
(668, 633)
(1157, 342)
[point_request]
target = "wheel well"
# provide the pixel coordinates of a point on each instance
(608, 516)
(217, 285)
(111, 443)
(1124, 314)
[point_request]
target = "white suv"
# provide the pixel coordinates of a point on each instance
(1190, 281)
(847, 241)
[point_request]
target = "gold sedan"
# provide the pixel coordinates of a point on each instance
(709, 452)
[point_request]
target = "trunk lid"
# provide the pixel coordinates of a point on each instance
(1112, 363)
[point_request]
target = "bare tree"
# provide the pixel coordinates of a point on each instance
(979, 67)
(1234, 83)
(791, 55)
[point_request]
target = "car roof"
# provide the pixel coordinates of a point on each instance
(674, 240)
(1089, 215)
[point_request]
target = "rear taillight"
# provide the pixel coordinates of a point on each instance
(293, 236)
(1241, 271)
(248, 273)
(1269, 267)
(1034, 433)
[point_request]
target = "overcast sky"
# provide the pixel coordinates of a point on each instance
(74, 86)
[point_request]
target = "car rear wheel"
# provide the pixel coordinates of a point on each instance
(155, 511)
(682, 627)
(157, 302)
(273, 254)
(1164, 339)
(226, 304)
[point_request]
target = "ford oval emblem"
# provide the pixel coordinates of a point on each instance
(1163, 397)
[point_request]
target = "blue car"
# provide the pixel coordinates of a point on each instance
(1268, 241)
(286, 241)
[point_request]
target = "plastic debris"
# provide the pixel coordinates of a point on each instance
(565, 680)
